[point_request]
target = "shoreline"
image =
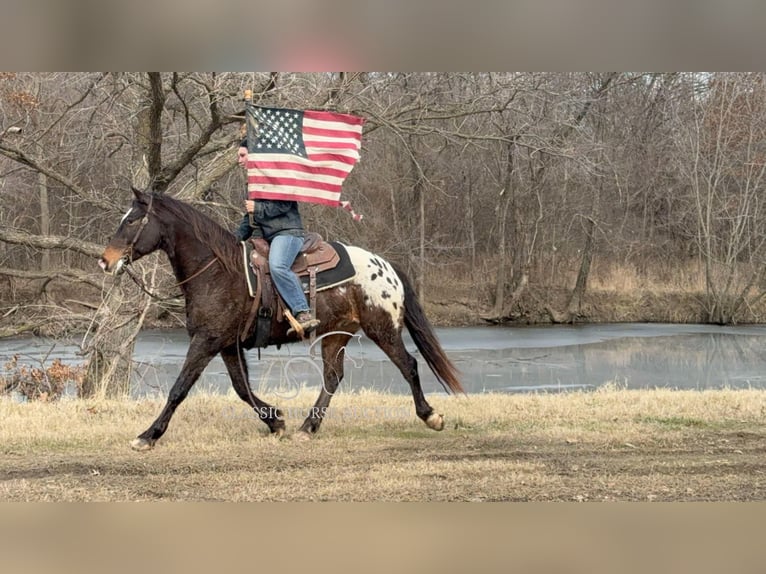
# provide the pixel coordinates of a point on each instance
(537, 306)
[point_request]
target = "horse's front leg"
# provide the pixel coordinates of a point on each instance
(198, 356)
(234, 359)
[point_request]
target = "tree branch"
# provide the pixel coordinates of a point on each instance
(69, 275)
(19, 156)
(217, 121)
(50, 242)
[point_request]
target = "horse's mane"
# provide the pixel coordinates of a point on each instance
(221, 241)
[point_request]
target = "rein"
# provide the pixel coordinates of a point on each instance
(138, 281)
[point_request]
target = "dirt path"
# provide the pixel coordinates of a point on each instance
(726, 467)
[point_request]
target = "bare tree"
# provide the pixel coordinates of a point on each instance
(723, 160)
(114, 100)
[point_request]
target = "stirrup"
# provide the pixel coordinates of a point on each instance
(303, 327)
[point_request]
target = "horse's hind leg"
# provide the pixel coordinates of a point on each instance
(389, 339)
(333, 354)
(197, 358)
(236, 365)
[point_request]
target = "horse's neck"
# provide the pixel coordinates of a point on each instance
(186, 252)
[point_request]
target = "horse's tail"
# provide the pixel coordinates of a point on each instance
(425, 338)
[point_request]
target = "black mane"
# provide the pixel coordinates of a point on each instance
(222, 241)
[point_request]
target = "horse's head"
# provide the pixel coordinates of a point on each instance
(137, 235)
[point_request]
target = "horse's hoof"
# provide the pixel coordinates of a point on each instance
(435, 421)
(301, 436)
(278, 433)
(141, 444)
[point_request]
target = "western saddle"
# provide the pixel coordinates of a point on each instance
(315, 255)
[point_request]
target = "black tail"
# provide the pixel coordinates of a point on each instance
(425, 339)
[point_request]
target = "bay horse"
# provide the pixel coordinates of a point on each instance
(207, 262)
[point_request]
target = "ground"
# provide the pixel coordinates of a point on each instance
(608, 445)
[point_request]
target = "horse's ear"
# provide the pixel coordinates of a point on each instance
(137, 192)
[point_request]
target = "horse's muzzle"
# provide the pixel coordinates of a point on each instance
(116, 269)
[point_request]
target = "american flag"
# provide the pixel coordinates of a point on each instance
(301, 155)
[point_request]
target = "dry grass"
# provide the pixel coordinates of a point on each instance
(674, 277)
(669, 291)
(669, 277)
(612, 444)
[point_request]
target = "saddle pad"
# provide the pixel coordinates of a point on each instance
(342, 273)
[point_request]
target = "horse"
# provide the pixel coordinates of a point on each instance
(207, 262)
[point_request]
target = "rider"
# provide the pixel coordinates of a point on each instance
(279, 223)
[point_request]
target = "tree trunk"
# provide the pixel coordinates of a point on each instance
(422, 274)
(118, 322)
(502, 263)
(203, 186)
(470, 224)
(575, 299)
(45, 220)
(573, 308)
(109, 362)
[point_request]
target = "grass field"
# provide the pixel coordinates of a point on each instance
(609, 445)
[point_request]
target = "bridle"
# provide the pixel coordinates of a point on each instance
(128, 259)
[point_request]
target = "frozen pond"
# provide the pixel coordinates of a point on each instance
(504, 359)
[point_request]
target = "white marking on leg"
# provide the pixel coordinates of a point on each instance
(435, 421)
(380, 283)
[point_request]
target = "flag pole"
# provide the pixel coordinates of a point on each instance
(248, 101)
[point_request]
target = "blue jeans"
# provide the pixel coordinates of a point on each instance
(284, 250)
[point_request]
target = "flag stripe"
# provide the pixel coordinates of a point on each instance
(280, 174)
(331, 133)
(349, 159)
(258, 180)
(347, 119)
(330, 144)
(341, 130)
(334, 155)
(289, 193)
(319, 170)
(332, 160)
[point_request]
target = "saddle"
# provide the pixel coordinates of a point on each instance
(316, 255)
